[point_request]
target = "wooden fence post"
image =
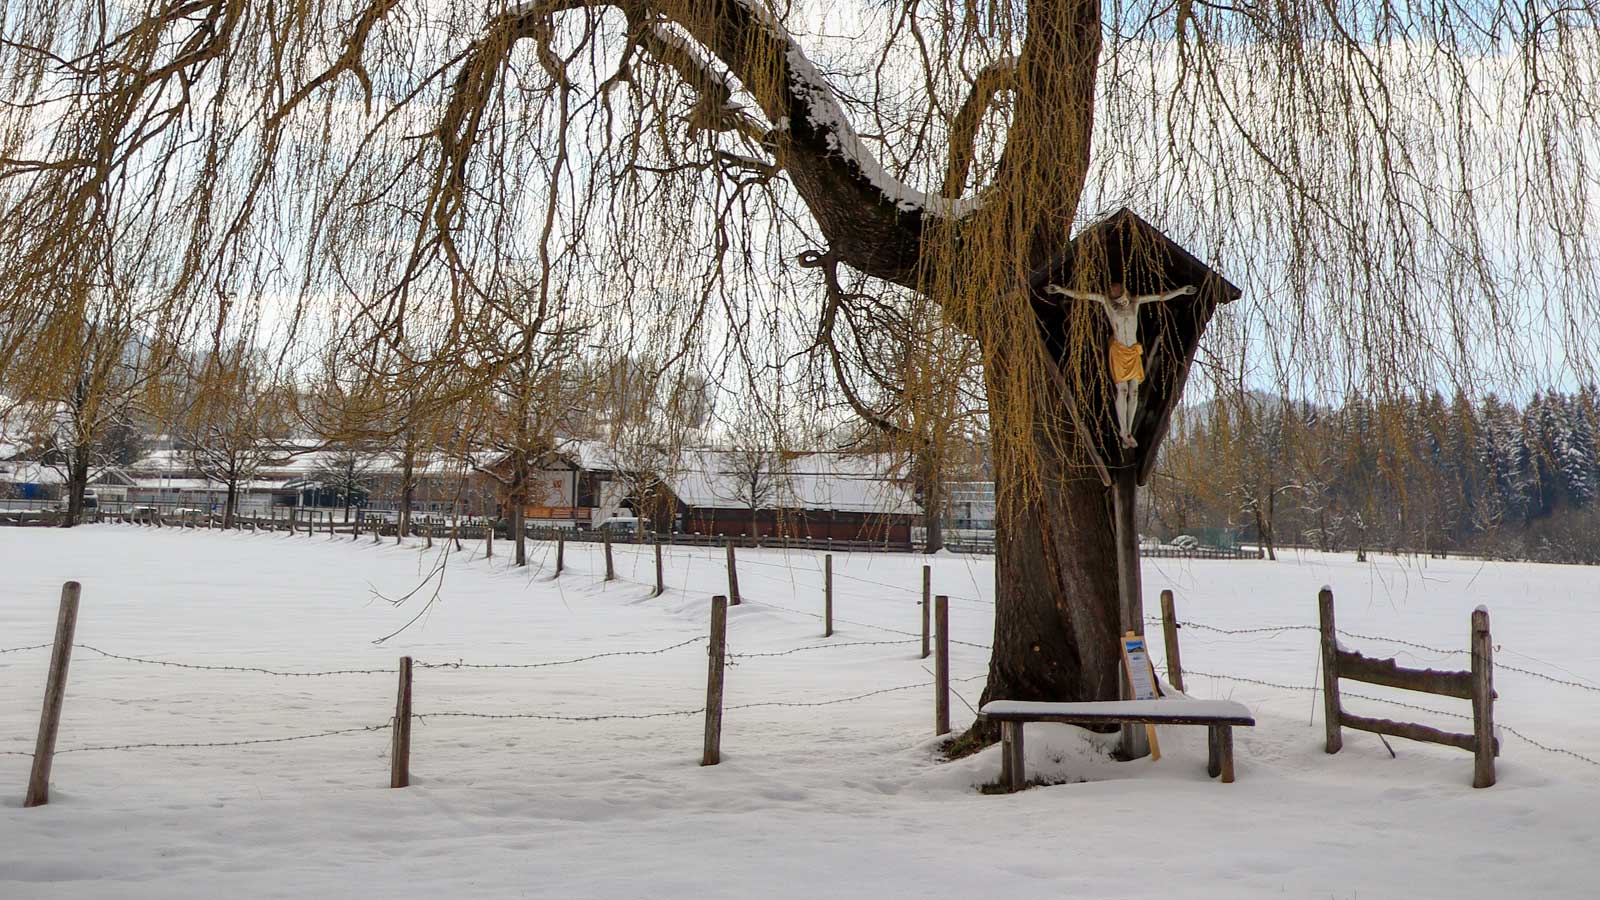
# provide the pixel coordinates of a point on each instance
(611, 570)
(1482, 700)
(1330, 670)
(400, 757)
(717, 653)
(941, 666)
(661, 584)
(733, 577)
(55, 693)
(561, 552)
(1169, 628)
(827, 595)
(488, 540)
(927, 594)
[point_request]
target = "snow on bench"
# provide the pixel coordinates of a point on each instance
(1163, 711)
(1218, 715)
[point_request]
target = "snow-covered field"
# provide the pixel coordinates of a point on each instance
(840, 800)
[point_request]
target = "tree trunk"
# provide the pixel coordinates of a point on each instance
(231, 503)
(77, 483)
(1057, 614)
(932, 512)
(408, 486)
(519, 490)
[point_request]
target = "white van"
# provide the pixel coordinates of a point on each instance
(625, 525)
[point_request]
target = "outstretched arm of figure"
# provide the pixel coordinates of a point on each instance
(1185, 291)
(1076, 295)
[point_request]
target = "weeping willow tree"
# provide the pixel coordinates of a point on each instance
(1403, 191)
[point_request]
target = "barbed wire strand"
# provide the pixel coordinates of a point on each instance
(824, 647)
(559, 662)
(254, 669)
(21, 649)
(211, 744)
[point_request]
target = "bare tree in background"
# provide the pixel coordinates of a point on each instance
(232, 421)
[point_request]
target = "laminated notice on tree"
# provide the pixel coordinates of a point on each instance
(1141, 673)
(1141, 680)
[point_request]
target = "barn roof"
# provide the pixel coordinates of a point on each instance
(1123, 247)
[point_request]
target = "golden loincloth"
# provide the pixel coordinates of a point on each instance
(1127, 363)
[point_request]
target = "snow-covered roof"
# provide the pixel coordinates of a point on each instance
(27, 472)
(836, 481)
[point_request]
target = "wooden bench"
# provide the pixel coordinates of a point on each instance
(1219, 715)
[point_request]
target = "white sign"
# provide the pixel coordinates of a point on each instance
(1141, 675)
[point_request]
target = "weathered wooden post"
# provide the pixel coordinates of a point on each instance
(927, 591)
(827, 595)
(941, 666)
(55, 694)
(1135, 744)
(488, 540)
(400, 757)
(733, 577)
(1330, 670)
(717, 653)
(661, 583)
(1169, 628)
(1482, 700)
(605, 538)
(561, 552)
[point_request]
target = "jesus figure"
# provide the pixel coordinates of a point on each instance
(1127, 354)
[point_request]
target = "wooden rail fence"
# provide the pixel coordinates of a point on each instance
(1475, 684)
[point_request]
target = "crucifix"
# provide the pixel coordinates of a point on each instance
(1126, 353)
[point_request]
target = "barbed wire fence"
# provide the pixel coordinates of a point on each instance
(735, 658)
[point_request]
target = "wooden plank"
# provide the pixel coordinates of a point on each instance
(1169, 629)
(1013, 768)
(1330, 671)
(1135, 742)
(1152, 718)
(1484, 747)
(941, 666)
(1213, 752)
(611, 569)
(927, 595)
(1225, 745)
(55, 695)
(1408, 730)
(733, 576)
(661, 582)
(1356, 667)
(827, 595)
(400, 756)
(716, 668)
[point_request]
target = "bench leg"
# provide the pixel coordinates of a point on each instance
(1213, 751)
(1013, 773)
(1225, 740)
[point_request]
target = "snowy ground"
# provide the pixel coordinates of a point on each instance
(838, 800)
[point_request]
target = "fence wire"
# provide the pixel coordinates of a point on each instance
(210, 744)
(824, 647)
(253, 669)
(22, 649)
(559, 662)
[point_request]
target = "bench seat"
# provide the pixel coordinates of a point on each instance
(1219, 716)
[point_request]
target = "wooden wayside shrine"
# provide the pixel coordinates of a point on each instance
(1124, 248)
